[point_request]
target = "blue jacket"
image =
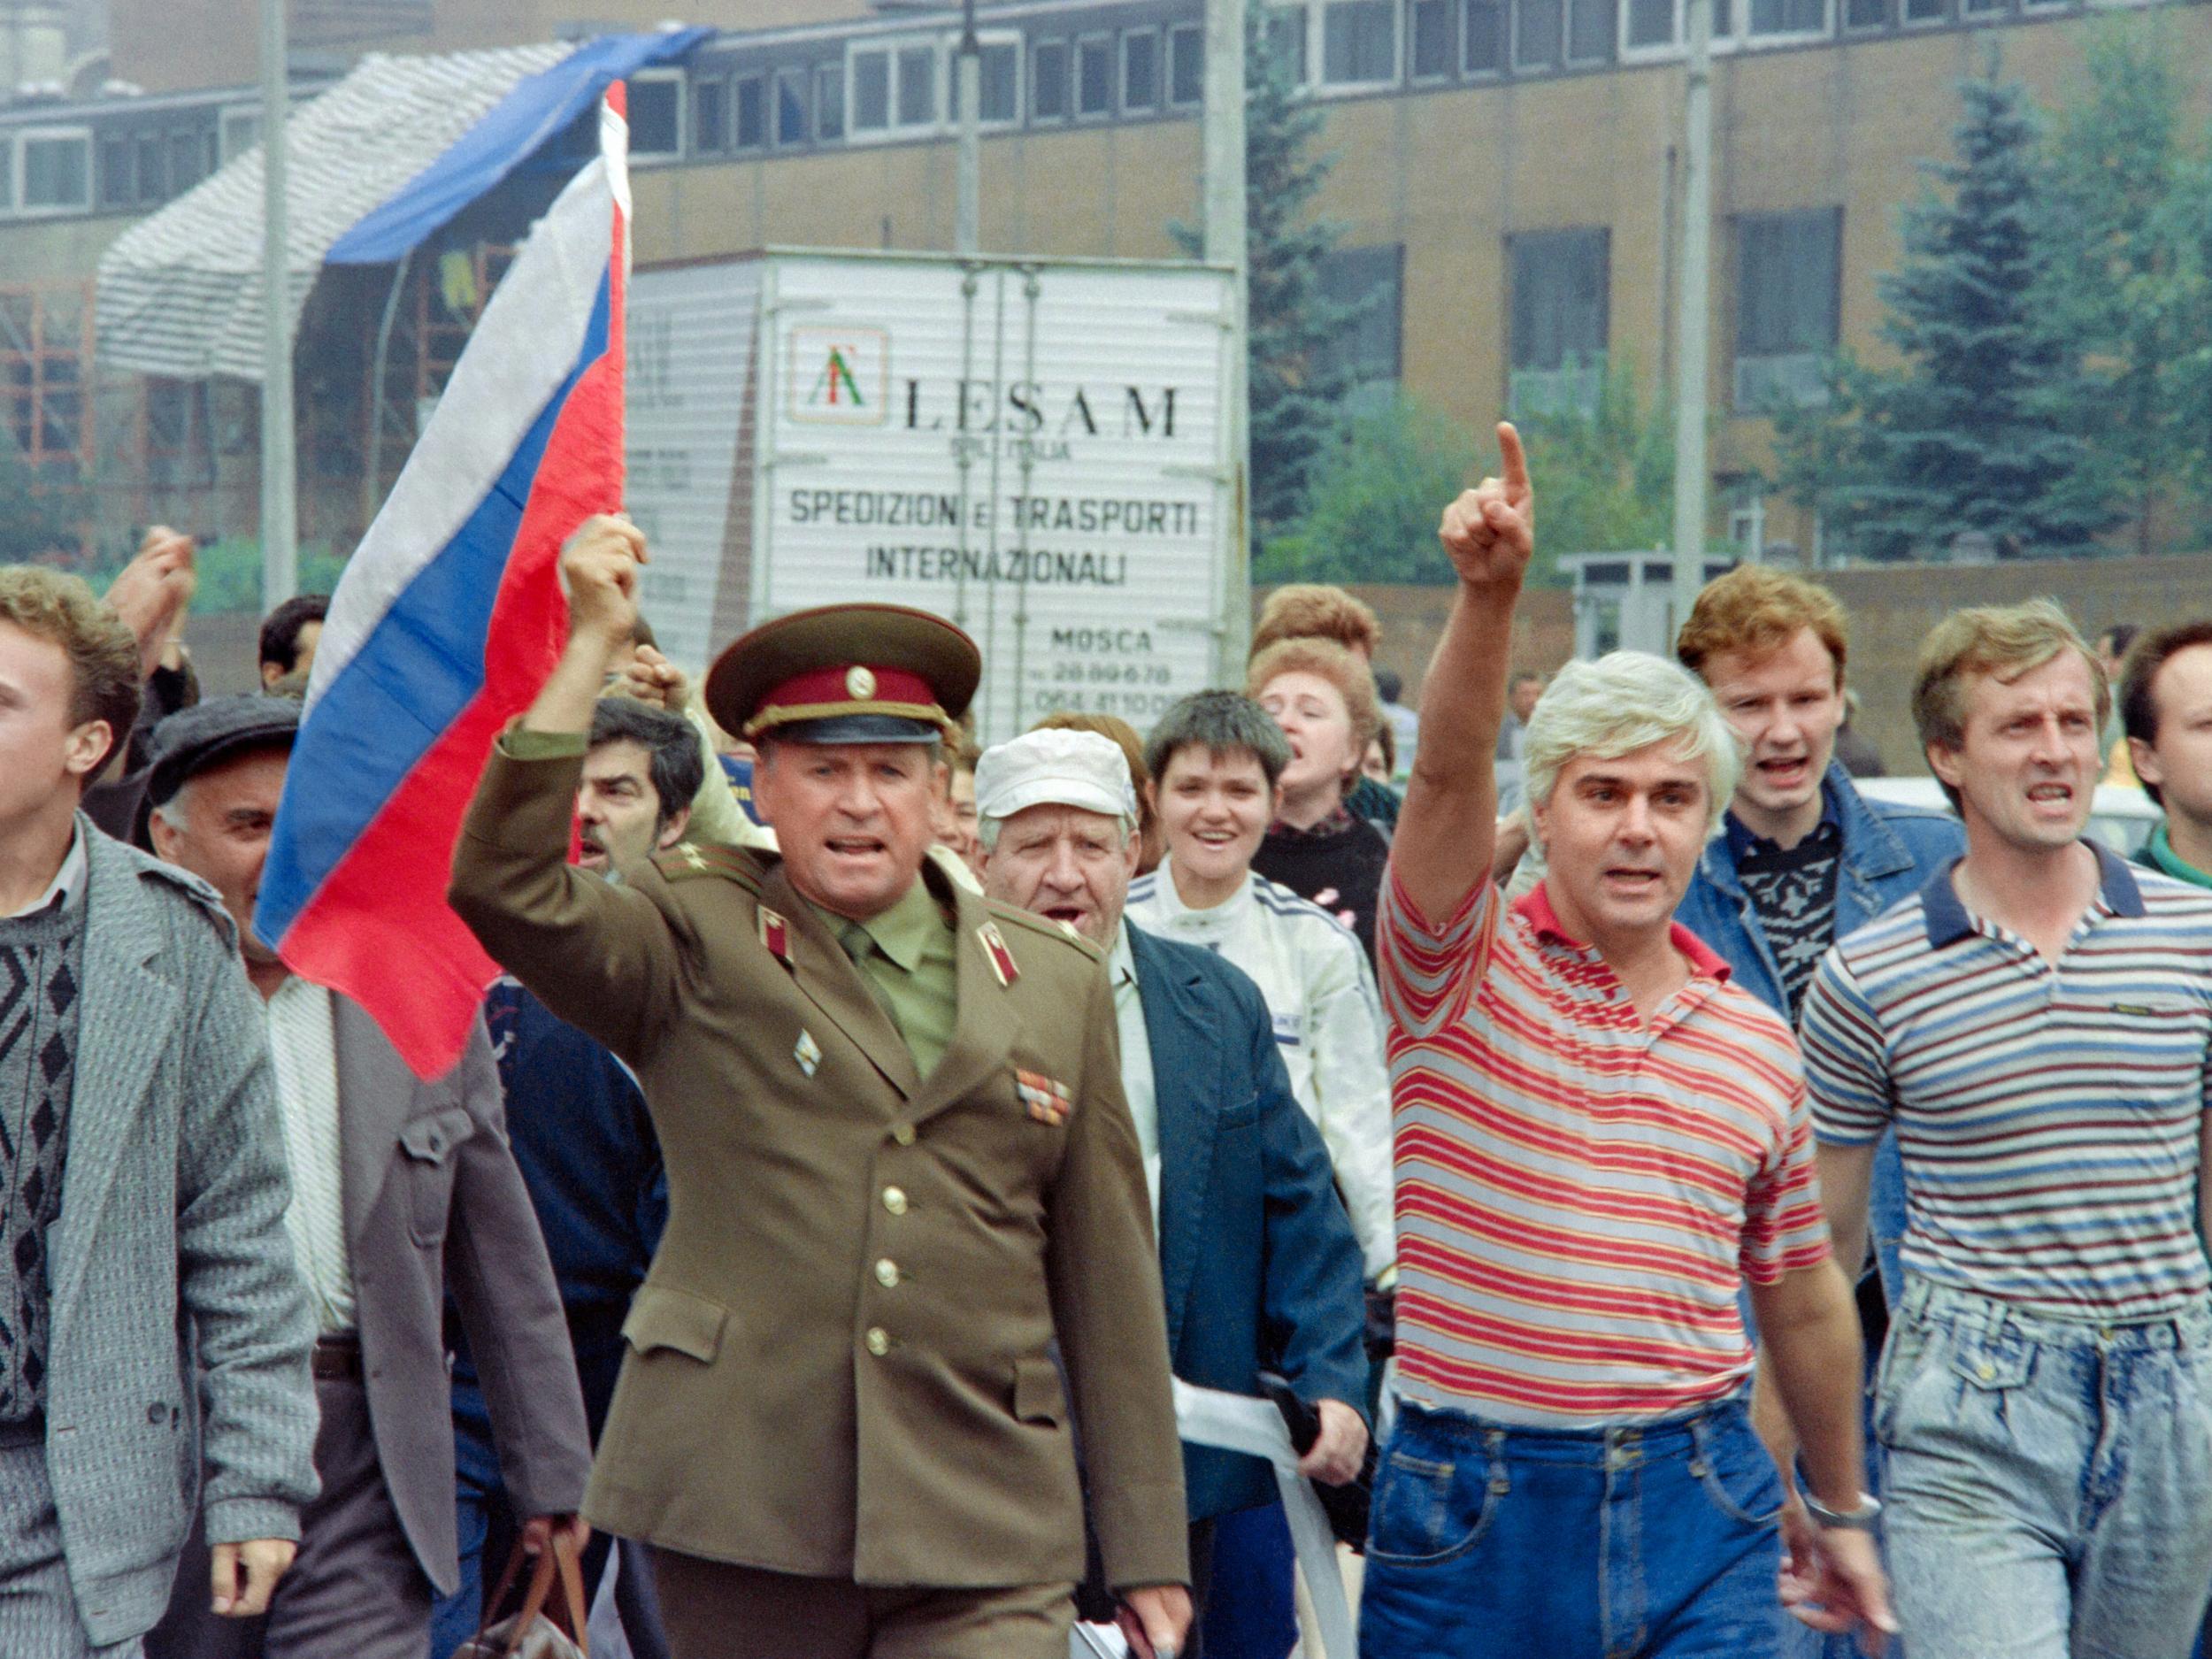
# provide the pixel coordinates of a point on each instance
(1889, 852)
(1256, 1254)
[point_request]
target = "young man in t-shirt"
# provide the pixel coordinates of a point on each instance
(2035, 1024)
(1803, 859)
(1599, 1140)
(2166, 708)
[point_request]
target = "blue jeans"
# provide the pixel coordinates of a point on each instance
(2045, 1480)
(1620, 1543)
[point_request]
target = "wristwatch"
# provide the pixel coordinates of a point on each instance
(1860, 1518)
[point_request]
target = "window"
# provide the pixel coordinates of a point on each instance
(44, 354)
(790, 106)
(1788, 17)
(116, 188)
(748, 102)
(1187, 65)
(871, 91)
(1482, 36)
(1049, 81)
(1372, 280)
(1000, 78)
(1981, 8)
(1359, 42)
(1434, 48)
(1286, 39)
(1925, 11)
(1866, 14)
(1651, 22)
(829, 101)
(709, 117)
(1591, 27)
(1558, 311)
(1094, 75)
(657, 115)
(1788, 297)
(242, 131)
(1141, 70)
(7, 173)
(1536, 34)
(152, 174)
(57, 168)
(184, 162)
(917, 86)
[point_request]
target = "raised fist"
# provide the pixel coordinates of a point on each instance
(1489, 532)
(599, 565)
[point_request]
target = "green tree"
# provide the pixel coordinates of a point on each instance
(1295, 391)
(1605, 479)
(1978, 429)
(2118, 282)
(1378, 492)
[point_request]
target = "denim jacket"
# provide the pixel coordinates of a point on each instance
(1889, 852)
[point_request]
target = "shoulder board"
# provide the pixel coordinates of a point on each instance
(1029, 922)
(686, 861)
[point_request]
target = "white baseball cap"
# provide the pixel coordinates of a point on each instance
(1054, 768)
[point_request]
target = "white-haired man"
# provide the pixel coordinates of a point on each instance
(1599, 1141)
(1257, 1258)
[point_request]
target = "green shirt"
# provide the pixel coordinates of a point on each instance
(911, 968)
(2163, 856)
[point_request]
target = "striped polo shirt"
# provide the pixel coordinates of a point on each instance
(1580, 1194)
(2048, 1112)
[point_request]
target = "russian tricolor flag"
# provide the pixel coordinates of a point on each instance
(446, 624)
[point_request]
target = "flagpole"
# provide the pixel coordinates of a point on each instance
(279, 510)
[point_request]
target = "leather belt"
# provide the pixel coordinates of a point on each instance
(336, 1359)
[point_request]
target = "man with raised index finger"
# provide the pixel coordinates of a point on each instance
(1599, 1140)
(899, 1163)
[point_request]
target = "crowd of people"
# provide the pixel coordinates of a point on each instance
(1705, 1210)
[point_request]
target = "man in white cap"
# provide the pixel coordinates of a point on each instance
(1260, 1268)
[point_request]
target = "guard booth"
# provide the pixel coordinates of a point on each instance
(1625, 601)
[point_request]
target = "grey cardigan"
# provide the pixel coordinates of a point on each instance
(172, 1227)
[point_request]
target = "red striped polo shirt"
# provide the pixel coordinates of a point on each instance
(1580, 1194)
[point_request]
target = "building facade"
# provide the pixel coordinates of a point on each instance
(1507, 177)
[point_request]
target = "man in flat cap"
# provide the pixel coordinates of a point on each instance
(1259, 1264)
(401, 1190)
(899, 1166)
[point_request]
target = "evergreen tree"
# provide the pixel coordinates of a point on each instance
(1377, 491)
(1976, 431)
(2118, 283)
(1295, 391)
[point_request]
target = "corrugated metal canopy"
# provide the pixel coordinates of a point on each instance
(397, 147)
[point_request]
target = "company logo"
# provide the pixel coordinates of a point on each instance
(839, 377)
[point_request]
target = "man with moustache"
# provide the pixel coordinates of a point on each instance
(2036, 1024)
(900, 1167)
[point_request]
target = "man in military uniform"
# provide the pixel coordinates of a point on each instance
(899, 1165)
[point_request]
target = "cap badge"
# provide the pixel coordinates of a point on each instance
(807, 1052)
(995, 950)
(860, 684)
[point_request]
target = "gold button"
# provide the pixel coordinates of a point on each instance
(879, 1340)
(895, 1201)
(886, 1272)
(1985, 1371)
(903, 1134)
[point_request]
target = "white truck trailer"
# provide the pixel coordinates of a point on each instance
(1037, 449)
